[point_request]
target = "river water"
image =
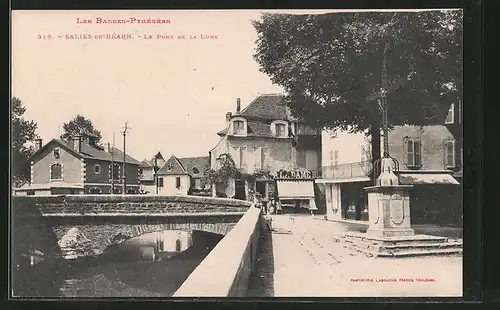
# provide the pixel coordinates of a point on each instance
(114, 274)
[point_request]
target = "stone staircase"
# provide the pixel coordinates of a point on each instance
(407, 246)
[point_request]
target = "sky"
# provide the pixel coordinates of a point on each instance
(173, 93)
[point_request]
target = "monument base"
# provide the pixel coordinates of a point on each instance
(401, 246)
(392, 232)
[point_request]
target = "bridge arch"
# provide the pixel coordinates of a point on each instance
(94, 240)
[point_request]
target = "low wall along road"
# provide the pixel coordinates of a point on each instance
(226, 271)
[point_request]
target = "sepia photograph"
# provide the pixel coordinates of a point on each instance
(236, 153)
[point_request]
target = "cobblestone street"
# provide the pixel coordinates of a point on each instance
(303, 257)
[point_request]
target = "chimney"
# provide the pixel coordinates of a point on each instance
(238, 105)
(77, 143)
(109, 147)
(38, 144)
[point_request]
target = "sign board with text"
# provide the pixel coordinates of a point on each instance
(297, 174)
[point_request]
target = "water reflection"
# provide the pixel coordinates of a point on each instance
(151, 265)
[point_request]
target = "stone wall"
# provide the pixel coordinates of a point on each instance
(223, 275)
(130, 204)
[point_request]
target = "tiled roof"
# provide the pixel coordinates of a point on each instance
(261, 112)
(172, 166)
(222, 132)
(195, 162)
(184, 165)
(88, 151)
(151, 163)
(145, 164)
(260, 129)
(266, 107)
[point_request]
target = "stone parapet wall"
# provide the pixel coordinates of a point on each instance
(223, 275)
(131, 204)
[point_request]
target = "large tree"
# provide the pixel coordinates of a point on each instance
(23, 133)
(77, 126)
(330, 65)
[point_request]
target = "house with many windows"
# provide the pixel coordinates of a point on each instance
(182, 176)
(281, 154)
(429, 158)
(80, 167)
(147, 173)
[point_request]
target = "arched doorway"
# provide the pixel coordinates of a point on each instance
(178, 245)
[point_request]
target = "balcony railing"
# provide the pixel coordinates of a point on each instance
(348, 171)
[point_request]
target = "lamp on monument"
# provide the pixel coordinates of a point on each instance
(387, 166)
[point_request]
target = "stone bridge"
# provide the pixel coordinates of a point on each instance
(85, 225)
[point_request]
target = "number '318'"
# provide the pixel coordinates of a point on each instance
(45, 37)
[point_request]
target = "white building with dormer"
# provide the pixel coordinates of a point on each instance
(264, 138)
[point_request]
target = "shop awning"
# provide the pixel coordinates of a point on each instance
(426, 178)
(295, 189)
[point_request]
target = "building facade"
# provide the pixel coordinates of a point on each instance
(147, 173)
(428, 159)
(182, 176)
(272, 147)
(80, 167)
(454, 124)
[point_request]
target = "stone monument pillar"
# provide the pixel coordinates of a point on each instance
(389, 211)
(389, 204)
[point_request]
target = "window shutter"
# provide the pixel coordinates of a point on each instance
(233, 151)
(263, 159)
(410, 159)
(237, 154)
(459, 110)
(250, 159)
(418, 153)
(243, 157)
(457, 154)
(257, 157)
(451, 154)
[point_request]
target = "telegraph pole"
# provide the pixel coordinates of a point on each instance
(113, 166)
(124, 156)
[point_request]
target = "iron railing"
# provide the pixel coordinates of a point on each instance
(347, 171)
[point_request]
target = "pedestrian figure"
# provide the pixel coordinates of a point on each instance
(279, 210)
(272, 206)
(258, 202)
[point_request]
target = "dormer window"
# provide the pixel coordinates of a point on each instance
(279, 129)
(195, 170)
(239, 127)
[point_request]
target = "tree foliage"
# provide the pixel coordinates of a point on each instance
(23, 132)
(330, 64)
(226, 171)
(77, 126)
